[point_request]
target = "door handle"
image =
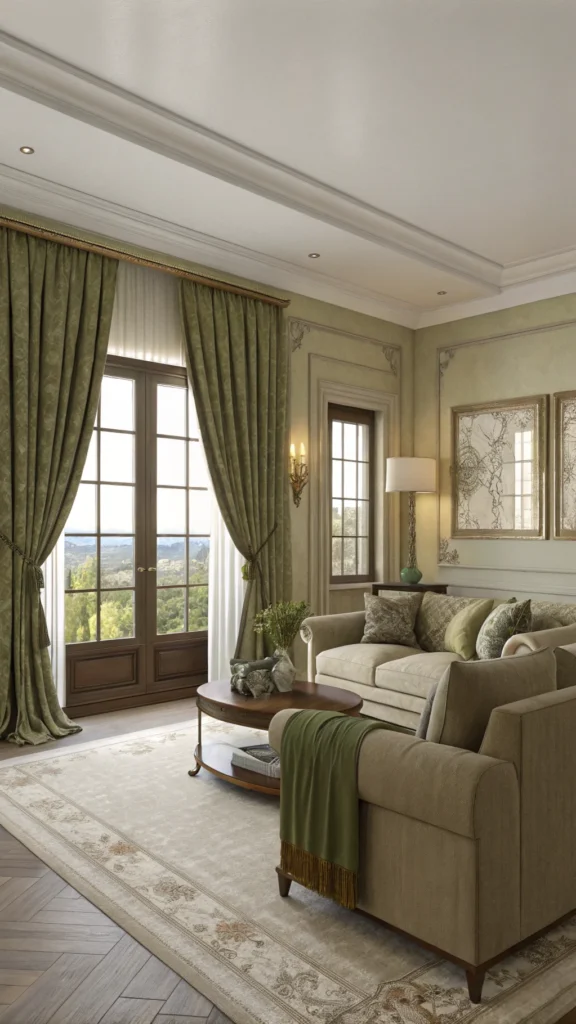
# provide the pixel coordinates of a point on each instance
(151, 568)
(141, 569)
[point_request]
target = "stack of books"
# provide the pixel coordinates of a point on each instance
(260, 758)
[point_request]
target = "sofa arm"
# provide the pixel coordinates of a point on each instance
(453, 789)
(525, 643)
(323, 632)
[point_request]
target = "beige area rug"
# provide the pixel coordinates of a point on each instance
(186, 865)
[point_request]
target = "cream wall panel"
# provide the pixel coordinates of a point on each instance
(527, 350)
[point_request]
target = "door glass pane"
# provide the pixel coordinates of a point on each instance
(80, 618)
(193, 428)
(171, 410)
(116, 509)
(90, 472)
(82, 518)
(198, 554)
(171, 560)
(171, 462)
(170, 606)
(117, 403)
(336, 478)
(171, 511)
(116, 562)
(198, 472)
(197, 608)
(116, 614)
(117, 457)
(199, 512)
(80, 564)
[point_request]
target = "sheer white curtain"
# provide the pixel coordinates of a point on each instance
(146, 325)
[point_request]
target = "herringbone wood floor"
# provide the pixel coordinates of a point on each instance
(64, 962)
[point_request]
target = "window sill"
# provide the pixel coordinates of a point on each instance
(350, 586)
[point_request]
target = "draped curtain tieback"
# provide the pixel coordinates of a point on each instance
(38, 575)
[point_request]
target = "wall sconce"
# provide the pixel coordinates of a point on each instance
(298, 473)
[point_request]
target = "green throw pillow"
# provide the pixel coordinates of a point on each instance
(505, 621)
(462, 631)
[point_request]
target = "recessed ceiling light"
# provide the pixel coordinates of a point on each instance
(314, 255)
(441, 293)
(27, 150)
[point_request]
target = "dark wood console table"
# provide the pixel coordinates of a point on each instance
(418, 588)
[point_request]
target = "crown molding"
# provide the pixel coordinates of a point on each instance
(32, 73)
(59, 202)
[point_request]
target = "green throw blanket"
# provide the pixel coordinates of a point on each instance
(319, 804)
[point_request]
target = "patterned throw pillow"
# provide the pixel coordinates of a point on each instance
(505, 621)
(390, 620)
(435, 613)
(565, 613)
(541, 620)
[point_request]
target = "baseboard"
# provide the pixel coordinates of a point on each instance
(137, 701)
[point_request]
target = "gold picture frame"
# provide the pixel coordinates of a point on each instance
(565, 465)
(499, 469)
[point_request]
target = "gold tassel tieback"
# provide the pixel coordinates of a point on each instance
(313, 872)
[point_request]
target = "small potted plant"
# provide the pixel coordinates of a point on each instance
(280, 623)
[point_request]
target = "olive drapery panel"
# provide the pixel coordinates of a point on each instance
(55, 311)
(237, 356)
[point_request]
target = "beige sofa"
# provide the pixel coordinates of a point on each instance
(394, 681)
(470, 853)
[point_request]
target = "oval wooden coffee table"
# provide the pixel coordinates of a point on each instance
(218, 701)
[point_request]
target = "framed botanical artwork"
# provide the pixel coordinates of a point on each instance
(565, 465)
(499, 452)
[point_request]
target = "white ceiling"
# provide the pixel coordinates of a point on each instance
(420, 146)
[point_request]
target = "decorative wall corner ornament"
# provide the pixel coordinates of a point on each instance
(391, 357)
(499, 453)
(445, 357)
(446, 554)
(565, 465)
(296, 331)
(298, 473)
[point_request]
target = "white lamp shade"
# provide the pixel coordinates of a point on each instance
(407, 474)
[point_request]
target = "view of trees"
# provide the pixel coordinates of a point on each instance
(117, 570)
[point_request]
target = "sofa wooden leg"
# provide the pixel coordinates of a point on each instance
(475, 981)
(284, 883)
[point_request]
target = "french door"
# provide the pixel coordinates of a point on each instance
(137, 545)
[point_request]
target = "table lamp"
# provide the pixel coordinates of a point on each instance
(414, 476)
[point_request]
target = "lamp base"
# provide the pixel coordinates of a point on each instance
(412, 575)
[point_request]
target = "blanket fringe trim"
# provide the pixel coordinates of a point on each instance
(331, 880)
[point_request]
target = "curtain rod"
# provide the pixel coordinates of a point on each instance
(141, 261)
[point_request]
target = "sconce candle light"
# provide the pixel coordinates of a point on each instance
(298, 473)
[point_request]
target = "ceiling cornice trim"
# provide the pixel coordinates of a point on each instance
(45, 79)
(28, 192)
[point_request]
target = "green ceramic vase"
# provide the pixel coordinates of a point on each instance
(412, 575)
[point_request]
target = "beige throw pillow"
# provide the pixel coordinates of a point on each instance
(390, 619)
(470, 690)
(435, 613)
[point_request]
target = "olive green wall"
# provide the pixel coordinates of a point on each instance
(527, 350)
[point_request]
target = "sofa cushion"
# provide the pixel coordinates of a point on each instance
(433, 617)
(415, 674)
(505, 621)
(565, 614)
(462, 630)
(390, 619)
(470, 690)
(565, 666)
(376, 702)
(358, 662)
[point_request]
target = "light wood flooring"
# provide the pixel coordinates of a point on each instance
(62, 961)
